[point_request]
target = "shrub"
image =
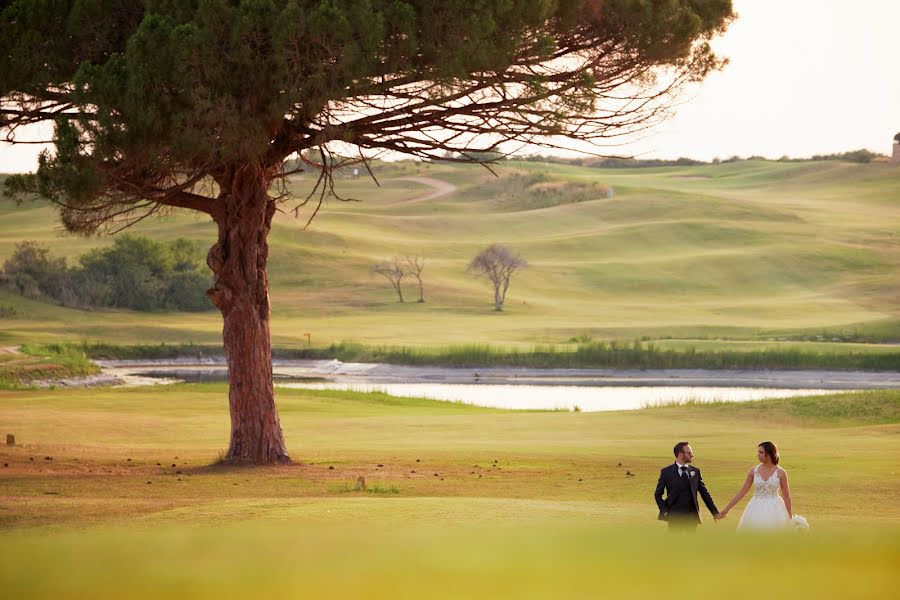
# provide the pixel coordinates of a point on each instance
(135, 272)
(34, 274)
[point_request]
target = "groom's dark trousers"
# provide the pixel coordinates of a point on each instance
(680, 507)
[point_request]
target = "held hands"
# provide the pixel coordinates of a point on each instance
(720, 515)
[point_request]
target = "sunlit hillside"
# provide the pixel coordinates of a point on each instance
(748, 250)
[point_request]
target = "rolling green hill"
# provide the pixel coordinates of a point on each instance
(753, 250)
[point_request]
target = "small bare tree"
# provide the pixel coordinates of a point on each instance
(393, 270)
(414, 266)
(497, 263)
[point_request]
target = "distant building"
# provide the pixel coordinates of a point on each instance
(896, 155)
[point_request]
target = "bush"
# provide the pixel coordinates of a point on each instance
(186, 290)
(135, 272)
(32, 273)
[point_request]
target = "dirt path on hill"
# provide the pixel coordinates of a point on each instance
(441, 188)
(20, 358)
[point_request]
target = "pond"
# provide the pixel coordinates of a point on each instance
(522, 388)
(563, 397)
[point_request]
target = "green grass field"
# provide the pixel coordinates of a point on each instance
(753, 251)
(116, 493)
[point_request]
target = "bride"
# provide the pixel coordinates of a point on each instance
(766, 510)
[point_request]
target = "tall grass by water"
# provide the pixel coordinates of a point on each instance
(248, 560)
(44, 361)
(636, 354)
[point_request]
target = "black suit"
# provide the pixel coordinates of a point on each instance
(680, 506)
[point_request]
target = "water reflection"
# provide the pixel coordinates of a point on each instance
(563, 397)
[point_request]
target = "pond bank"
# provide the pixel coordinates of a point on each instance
(214, 369)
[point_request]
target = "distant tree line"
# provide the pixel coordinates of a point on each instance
(480, 156)
(636, 163)
(854, 156)
(135, 273)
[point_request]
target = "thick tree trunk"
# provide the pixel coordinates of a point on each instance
(241, 292)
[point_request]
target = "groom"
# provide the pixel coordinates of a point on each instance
(681, 482)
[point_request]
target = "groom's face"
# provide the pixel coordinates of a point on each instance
(687, 455)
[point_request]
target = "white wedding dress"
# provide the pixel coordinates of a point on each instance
(766, 508)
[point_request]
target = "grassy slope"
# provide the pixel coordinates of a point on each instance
(33, 363)
(556, 510)
(751, 250)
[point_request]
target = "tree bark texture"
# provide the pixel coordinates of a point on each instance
(241, 292)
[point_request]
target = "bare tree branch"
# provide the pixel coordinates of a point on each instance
(497, 263)
(393, 271)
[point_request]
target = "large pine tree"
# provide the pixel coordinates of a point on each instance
(196, 104)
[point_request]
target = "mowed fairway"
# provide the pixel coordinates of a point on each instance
(116, 490)
(753, 250)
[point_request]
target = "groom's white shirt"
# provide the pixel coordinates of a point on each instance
(681, 466)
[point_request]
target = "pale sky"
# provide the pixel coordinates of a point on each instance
(806, 77)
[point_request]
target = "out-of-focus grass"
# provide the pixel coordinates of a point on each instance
(532, 561)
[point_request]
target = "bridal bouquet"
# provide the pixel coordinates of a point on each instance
(800, 524)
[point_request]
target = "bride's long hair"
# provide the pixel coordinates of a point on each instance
(771, 450)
